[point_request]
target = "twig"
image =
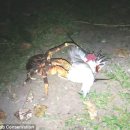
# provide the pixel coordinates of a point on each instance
(105, 25)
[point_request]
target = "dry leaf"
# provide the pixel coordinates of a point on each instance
(30, 97)
(2, 115)
(59, 30)
(1, 125)
(23, 114)
(91, 109)
(122, 52)
(25, 45)
(39, 110)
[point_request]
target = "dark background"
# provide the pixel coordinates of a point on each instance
(17, 15)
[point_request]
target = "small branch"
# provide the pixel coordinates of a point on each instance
(105, 25)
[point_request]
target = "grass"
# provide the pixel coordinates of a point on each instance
(108, 122)
(78, 120)
(101, 100)
(118, 122)
(118, 73)
(125, 96)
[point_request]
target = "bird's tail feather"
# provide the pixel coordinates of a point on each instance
(77, 54)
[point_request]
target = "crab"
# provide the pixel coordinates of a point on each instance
(44, 65)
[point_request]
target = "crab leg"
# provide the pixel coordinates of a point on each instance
(51, 51)
(58, 70)
(61, 62)
(46, 84)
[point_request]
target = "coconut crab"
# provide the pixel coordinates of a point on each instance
(44, 65)
(83, 67)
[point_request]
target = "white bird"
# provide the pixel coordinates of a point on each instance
(84, 67)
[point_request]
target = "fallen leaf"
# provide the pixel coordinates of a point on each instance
(39, 110)
(25, 45)
(122, 52)
(23, 114)
(1, 125)
(91, 109)
(59, 30)
(2, 115)
(30, 97)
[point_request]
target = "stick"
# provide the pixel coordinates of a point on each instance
(105, 25)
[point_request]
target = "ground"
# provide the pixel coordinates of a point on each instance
(64, 104)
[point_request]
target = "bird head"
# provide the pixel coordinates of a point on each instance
(96, 61)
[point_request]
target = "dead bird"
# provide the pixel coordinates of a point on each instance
(84, 67)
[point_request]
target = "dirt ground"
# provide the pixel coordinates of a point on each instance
(64, 100)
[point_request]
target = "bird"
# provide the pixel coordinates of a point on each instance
(84, 67)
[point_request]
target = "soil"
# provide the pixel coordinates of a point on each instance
(64, 100)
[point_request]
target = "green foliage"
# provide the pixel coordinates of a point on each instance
(118, 122)
(125, 96)
(119, 74)
(79, 120)
(101, 100)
